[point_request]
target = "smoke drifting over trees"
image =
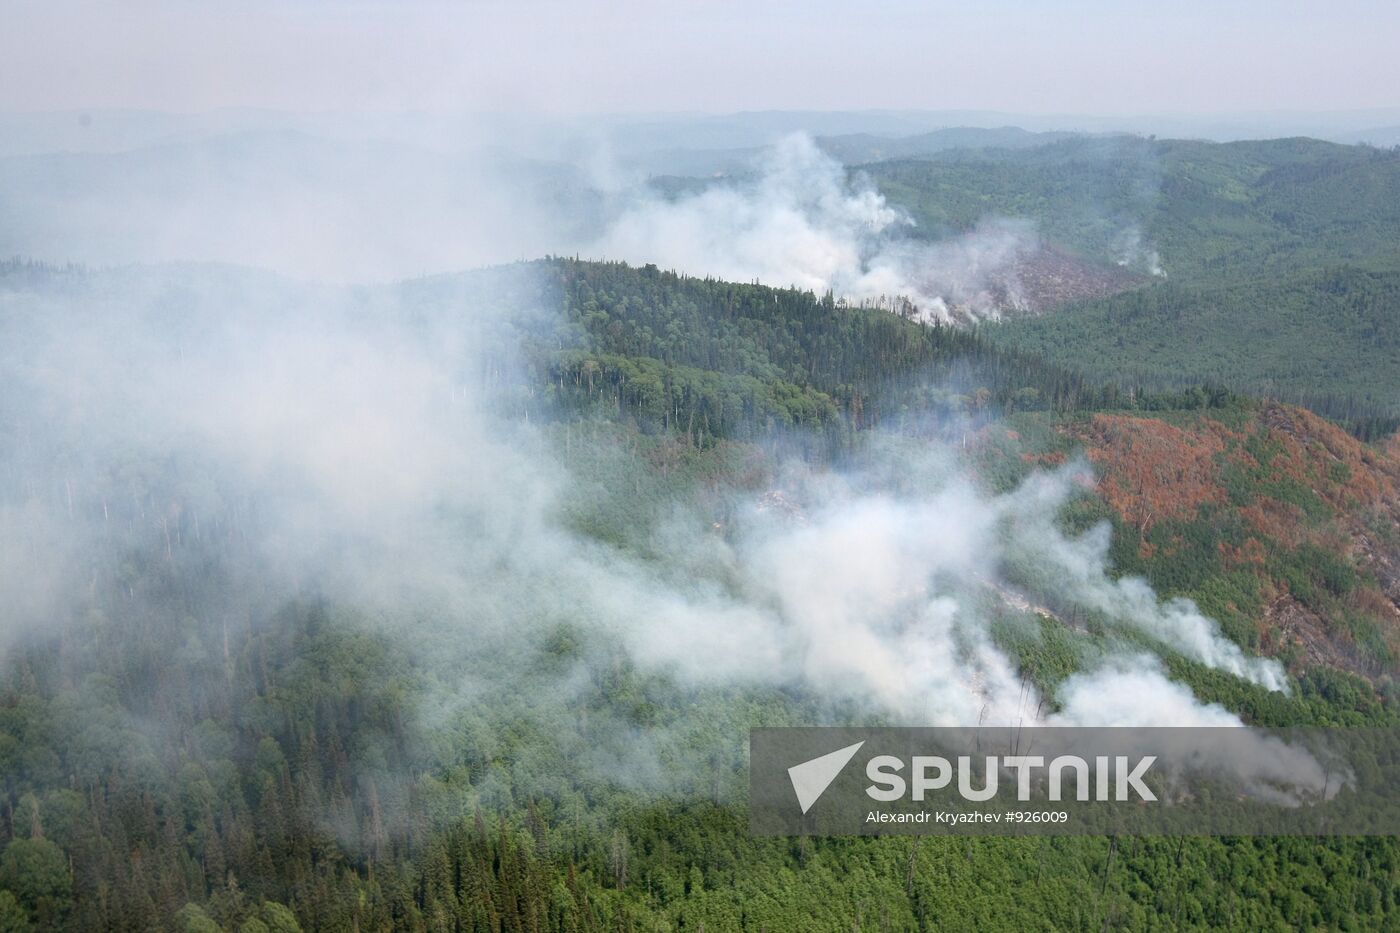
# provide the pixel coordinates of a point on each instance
(331, 559)
(366, 447)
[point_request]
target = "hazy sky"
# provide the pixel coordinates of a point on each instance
(1099, 56)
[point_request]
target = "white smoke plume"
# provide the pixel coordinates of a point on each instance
(1075, 568)
(890, 591)
(801, 222)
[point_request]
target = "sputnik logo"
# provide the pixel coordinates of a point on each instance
(811, 778)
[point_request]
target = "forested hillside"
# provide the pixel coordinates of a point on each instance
(1328, 339)
(716, 359)
(1272, 261)
(1213, 212)
(205, 740)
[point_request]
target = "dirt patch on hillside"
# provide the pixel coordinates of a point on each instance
(1050, 277)
(1038, 280)
(1288, 623)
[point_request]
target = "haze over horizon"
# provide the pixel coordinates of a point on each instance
(545, 57)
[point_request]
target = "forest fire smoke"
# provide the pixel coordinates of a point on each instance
(799, 221)
(350, 448)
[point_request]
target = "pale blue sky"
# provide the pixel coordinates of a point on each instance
(1085, 56)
